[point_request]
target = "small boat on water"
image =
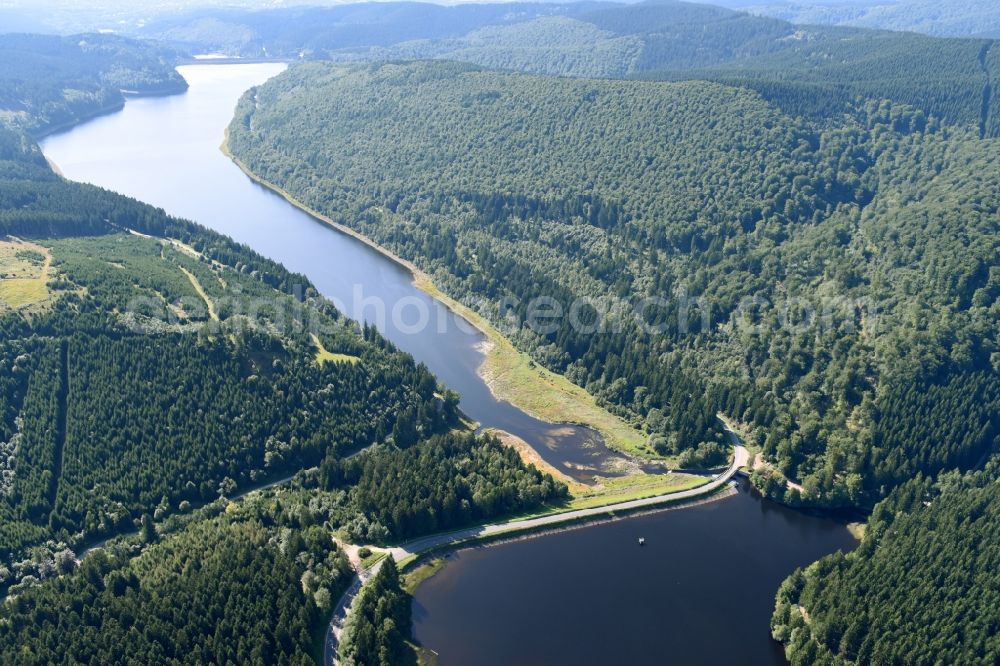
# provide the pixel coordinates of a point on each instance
(642, 541)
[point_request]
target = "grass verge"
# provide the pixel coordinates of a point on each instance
(422, 572)
(324, 356)
(373, 559)
(514, 532)
(510, 374)
(640, 486)
(620, 489)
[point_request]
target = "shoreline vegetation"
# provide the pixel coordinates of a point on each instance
(115, 106)
(605, 491)
(509, 373)
(512, 376)
(422, 566)
(577, 513)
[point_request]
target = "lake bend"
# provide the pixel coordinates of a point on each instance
(702, 589)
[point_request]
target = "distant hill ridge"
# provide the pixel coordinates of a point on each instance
(807, 70)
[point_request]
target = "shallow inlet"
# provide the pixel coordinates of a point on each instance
(165, 151)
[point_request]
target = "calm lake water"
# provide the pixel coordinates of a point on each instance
(700, 592)
(165, 151)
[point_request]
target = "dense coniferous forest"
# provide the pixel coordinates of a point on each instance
(135, 398)
(48, 81)
(813, 70)
(828, 285)
(794, 226)
(380, 623)
(448, 481)
(153, 367)
(245, 586)
(921, 589)
(292, 32)
(933, 17)
(125, 395)
(990, 60)
(827, 70)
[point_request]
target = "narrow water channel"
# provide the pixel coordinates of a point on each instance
(699, 592)
(165, 151)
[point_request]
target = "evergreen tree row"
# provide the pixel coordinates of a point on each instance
(830, 285)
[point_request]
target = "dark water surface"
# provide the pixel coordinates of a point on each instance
(165, 151)
(700, 591)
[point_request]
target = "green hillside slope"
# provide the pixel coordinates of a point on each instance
(47, 82)
(815, 70)
(137, 381)
(150, 371)
(942, 18)
(511, 187)
(921, 589)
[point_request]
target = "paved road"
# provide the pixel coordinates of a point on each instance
(335, 629)
(741, 457)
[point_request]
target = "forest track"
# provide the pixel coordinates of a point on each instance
(196, 284)
(61, 425)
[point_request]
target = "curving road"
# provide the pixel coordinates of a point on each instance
(234, 498)
(741, 457)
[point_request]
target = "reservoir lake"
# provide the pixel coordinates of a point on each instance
(700, 591)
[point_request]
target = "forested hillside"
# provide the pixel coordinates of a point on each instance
(921, 589)
(252, 581)
(820, 72)
(991, 95)
(48, 82)
(449, 481)
(942, 18)
(149, 371)
(137, 380)
(380, 623)
(832, 287)
(805, 69)
(250, 585)
(291, 32)
(814, 70)
(794, 227)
